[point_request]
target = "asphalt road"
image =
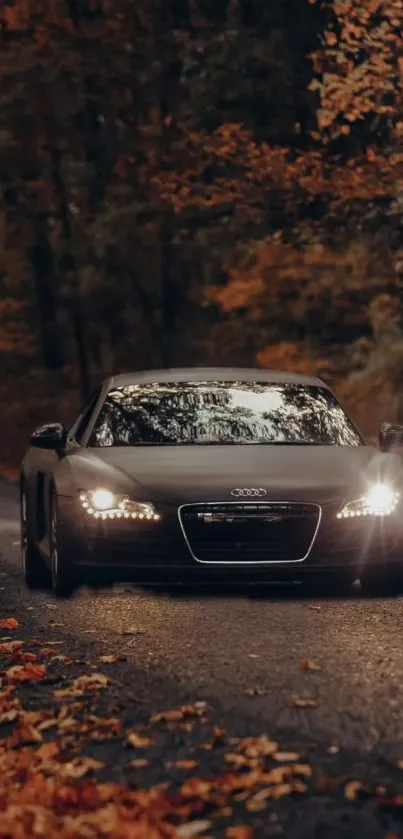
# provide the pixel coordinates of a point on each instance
(221, 647)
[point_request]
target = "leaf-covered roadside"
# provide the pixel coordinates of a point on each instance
(78, 761)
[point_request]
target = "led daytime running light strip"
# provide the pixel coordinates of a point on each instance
(119, 512)
(369, 509)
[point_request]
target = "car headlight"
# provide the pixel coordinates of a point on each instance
(380, 500)
(104, 504)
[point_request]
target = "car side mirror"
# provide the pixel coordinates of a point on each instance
(390, 436)
(52, 436)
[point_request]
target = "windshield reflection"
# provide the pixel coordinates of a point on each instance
(219, 413)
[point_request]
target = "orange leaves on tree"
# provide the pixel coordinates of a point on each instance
(357, 66)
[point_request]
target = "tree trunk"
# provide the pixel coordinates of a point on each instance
(42, 261)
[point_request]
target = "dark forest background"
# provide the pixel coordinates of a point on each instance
(199, 182)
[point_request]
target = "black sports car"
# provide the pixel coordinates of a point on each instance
(211, 475)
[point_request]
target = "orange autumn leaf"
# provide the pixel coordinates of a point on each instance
(83, 684)
(303, 702)
(9, 647)
(239, 832)
(307, 664)
(180, 713)
(138, 741)
(352, 790)
(29, 672)
(9, 623)
(186, 764)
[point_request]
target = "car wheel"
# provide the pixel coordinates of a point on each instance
(62, 573)
(380, 582)
(34, 569)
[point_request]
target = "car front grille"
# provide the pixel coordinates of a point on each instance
(249, 533)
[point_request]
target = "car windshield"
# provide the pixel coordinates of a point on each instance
(219, 413)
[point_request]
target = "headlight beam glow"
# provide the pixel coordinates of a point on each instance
(104, 504)
(380, 500)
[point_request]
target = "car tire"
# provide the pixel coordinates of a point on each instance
(63, 576)
(35, 572)
(382, 582)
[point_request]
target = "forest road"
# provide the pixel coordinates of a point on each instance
(251, 658)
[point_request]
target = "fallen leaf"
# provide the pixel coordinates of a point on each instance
(301, 702)
(83, 684)
(55, 625)
(27, 732)
(255, 804)
(43, 726)
(28, 672)
(187, 831)
(307, 664)
(286, 757)
(19, 655)
(9, 623)
(255, 691)
(239, 832)
(179, 713)
(185, 764)
(167, 716)
(67, 723)
(196, 788)
(138, 741)
(111, 659)
(9, 716)
(287, 789)
(258, 746)
(139, 763)
(9, 647)
(263, 794)
(47, 751)
(78, 767)
(239, 760)
(352, 789)
(281, 774)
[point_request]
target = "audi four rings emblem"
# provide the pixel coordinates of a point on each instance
(248, 493)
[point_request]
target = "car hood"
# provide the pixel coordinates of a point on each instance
(181, 474)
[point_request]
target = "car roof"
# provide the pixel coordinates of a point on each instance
(212, 374)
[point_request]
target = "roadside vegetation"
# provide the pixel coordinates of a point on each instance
(209, 182)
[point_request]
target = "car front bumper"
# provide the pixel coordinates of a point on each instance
(160, 550)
